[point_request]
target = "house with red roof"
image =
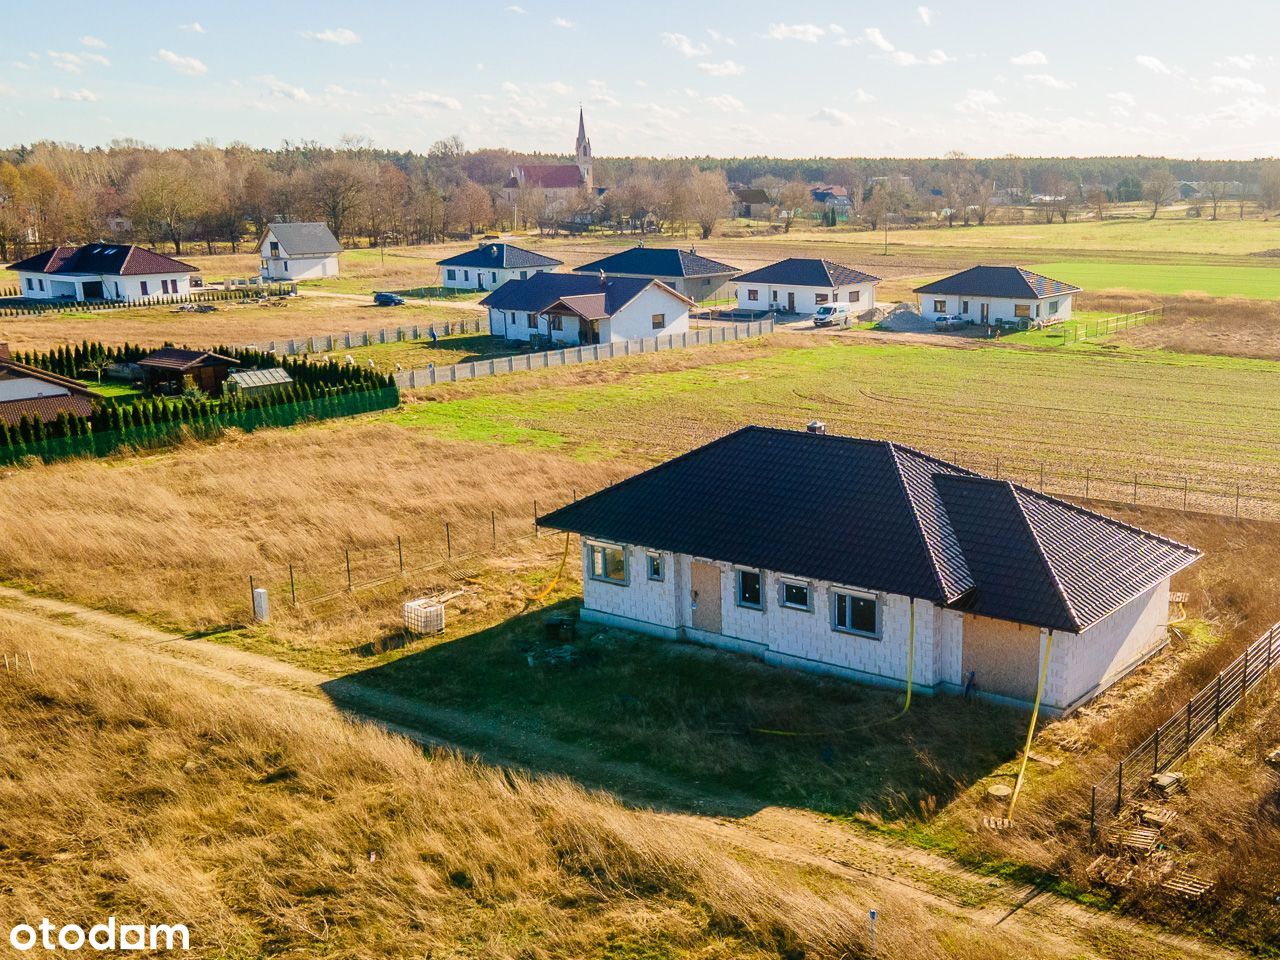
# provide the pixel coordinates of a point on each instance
(557, 185)
(102, 271)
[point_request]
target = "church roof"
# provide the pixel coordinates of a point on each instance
(549, 176)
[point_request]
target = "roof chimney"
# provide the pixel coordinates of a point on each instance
(817, 426)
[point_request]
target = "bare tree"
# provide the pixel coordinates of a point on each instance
(470, 204)
(338, 189)
(1269, 184)
(1217, 191)
(794, 199)
(709, 199)
(1159, 189)
(984, 189)
(166, 198)
(1096, 197)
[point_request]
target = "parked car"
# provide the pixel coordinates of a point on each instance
(833, 314)
(387, 300)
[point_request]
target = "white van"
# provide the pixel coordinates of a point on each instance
(833, 315)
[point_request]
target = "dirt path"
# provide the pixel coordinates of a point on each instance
(780, 834)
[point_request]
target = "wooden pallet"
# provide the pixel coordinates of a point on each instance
(1179, 597)
(1187, 885)
(997, 823)
(1157, 817)
(1141, 840)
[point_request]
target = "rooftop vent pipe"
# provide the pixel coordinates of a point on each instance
(817, 426)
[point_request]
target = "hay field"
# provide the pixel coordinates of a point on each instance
(1223, 327)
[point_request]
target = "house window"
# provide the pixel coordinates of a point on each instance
(451, 274)
(41, 282)
(493, 276)
(164, 286)
(1022, 310)
(524, 274)
(556, 323)
(753, 294)
(796, 595)
(855, 296)
(749, 593)
(286, 266)
(264, 265)
(855, 613)
(275, 248)
(939, 306)
(659, 321)
(142, 285)
(1037, 309)
(964, 306)
(30, 284)
(608, 563)
(531, 321)
(819, 298)
(773, 296)
(653, 563)
(1053, 307)
(466, 275)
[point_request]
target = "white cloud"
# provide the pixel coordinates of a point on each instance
(726, 103)
(1248, 112)
(516, 8)
(427, 100)
(861, 96)
(339, 35)
(7, 91)
(837, 118)
(97, 58)
(194, 27)
(63, 60)
(89, 41)
(678, 41)
(806, 32)
(599, 92)
(1244, 61)
(1125, 99)
(1032, 58)
(1154, 64)
(873, 36)
(1049, 80)
(336, 91)
(719, 37)
(836, 29)
(558, 86)
(21, 66)
(187, 65)
(1222, 84)
(78, 96)
(925, 15)
(563, 23)
(977, 101)
(937, 57)
(726, 68)
(286, 91)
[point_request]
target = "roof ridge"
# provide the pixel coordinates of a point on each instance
(1112, 521)
(916, 521)
(1045, 559)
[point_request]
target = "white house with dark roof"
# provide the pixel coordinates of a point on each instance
(869, 560)
(803, 284)
(299, 251)
(997, 296)
(571, 309)
(490, 265)
(102, 271)
(684, 271)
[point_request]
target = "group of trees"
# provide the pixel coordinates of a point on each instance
(206, 194)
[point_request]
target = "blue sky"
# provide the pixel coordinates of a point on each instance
(658, 77)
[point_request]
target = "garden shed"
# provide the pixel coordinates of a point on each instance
(257, 383)
(171, 370)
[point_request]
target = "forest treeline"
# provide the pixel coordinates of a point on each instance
(225, 195)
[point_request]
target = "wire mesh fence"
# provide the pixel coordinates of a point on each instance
(1085, 329)
(1173, 739)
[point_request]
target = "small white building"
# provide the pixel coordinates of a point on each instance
(490, 265)
(569, 309)
(299, 251)
(872, 561)
(997, 296)
(102, 271)
(803, 284)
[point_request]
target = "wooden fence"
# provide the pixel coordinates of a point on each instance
(328, 342)
(571, 356)
(1173, 739)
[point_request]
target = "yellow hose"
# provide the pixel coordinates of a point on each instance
(1031, 730)
(556, 579)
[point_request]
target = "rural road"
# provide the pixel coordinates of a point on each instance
(780, 834)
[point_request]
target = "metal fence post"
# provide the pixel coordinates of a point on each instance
(1188, 726)
(1093, 814)
(347, 552)
(493, 526)
(1217, 704)
(293, 592)
(535, 517)
(1119, 787)
(400, 552)
(448, 540)
(251, 591)
(1155, 763)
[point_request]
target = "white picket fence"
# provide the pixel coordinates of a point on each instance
(327, 343)
(571, 356)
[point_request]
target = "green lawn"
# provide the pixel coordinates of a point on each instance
(114, 389)
(1260, 282)
(416, 354)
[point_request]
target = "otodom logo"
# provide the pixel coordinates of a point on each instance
(110, 935)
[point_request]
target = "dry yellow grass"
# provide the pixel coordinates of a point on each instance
(1233, 328)
(131, 790)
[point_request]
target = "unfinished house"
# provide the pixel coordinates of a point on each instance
(869, 560)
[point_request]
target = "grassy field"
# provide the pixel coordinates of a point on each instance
(1258, 283)
(416, 354)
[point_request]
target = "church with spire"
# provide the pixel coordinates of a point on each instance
(559, 184)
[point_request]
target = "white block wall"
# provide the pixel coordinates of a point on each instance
(477, 278)
(299, 268)
(999, 308)
(774, 297)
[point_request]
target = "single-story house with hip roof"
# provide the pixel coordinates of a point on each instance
(299, 251)
(170, 370)
(993, 296)
(102, 271)
(684, 271)
(869, 560)
(490, 265)
(37, 394)
(802, 284)
(569, 309)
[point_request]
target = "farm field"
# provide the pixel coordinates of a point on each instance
(1256, 282)
(1213, 327)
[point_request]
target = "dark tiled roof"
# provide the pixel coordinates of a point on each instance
(45, 409)
(750, 195)
(878, 515)
(12, 368)
(500, 256)
(541, 290)
(305, 239)
(658, 262)
(1012, 282)
(549, 176)
(115, 259)
(172, 358)
(807, 272)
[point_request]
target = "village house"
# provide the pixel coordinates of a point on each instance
(569, 309)
(869, 560)
(102, 271)
(299, 251)
(803, 284)
(684, 271)
(490, 265)
(37, 394)
(751, 203)
(558, 185)
(997, 296)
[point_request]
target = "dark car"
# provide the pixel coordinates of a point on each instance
(387, 300)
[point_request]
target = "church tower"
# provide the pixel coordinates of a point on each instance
(583, 152)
